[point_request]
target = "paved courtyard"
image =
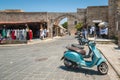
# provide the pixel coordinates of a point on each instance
(41, 61)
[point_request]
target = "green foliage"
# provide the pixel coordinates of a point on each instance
(65, 25)
(79, 26)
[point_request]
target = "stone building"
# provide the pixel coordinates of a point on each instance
(114, 19)
(97, 14)
(87, 15)
(118, 20)
(36, 20)
(92, 15)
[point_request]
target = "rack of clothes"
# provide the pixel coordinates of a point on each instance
(16, 34)
(29, 35)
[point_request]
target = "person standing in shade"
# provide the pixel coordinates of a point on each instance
(84, 33)
(106, 32)
(93, 30)
(42, 34)
(47, 32)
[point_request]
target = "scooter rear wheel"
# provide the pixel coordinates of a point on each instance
(103, 68)
(68, 63)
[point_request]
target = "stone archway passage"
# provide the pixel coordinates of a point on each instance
(72, 21)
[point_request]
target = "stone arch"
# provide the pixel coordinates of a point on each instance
(59, 18)
(72, 19)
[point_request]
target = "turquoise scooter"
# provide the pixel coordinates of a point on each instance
(74, 58)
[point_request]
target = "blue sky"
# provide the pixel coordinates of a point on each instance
(50, 5)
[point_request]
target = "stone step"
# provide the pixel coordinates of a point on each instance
(102, 41)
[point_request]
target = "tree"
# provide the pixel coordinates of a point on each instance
(79, 26)
(65, 25)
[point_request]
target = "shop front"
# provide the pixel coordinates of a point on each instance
(13, 33)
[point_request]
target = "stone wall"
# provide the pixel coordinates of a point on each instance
(82, 13)
(23, 16)
(119, 36)
(112, 18)
(97, 13)
(118, 19)
(119, 32)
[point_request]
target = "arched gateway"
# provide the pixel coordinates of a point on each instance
(73, 19)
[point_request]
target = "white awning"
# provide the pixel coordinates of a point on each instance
(103, 24)
(61, 27)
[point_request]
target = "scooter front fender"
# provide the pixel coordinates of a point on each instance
(73, 56)
(100, 61)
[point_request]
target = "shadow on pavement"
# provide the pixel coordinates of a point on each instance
(116, 48)
(81, 70)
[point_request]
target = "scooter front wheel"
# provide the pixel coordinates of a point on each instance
(68, 63)
(103, 68)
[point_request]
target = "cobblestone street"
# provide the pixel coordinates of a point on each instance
(41, 61)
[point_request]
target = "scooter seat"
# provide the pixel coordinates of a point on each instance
(78, 46)
(80, 51)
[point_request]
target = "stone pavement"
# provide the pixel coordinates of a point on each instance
(41, 61)
(112, 54)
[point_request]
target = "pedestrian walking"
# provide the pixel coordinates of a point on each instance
(42, 34)
(92, 30)
(84, 33)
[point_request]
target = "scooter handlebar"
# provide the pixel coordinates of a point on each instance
(76, 37)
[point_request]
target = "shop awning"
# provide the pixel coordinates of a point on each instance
(103, 24)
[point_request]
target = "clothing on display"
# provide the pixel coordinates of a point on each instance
(14, 34)
(30, 34)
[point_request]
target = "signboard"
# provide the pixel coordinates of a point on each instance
(97, 21)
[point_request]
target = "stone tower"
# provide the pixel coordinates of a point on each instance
(111, 13)
(118, 20)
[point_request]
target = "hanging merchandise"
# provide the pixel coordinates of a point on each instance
(30, 34)
(24, 33)
(8, 34)
(13, 35)
(4, 34)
